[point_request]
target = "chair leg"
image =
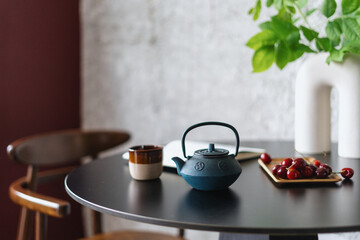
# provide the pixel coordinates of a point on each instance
(40, 226)
(25, 224)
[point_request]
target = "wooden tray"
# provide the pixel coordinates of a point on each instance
(280, 181)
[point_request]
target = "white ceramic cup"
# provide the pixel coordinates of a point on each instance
(145, 162)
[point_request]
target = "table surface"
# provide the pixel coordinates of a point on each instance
(253, 204)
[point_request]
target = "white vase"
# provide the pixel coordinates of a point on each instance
(314, 82)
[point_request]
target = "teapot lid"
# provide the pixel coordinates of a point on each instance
(212, 151)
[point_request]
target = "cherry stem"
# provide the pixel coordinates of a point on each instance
(299, 153)
(324, 156)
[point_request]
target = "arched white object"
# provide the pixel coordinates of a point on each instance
(314, 82)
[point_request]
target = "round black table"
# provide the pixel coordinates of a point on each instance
(253, 204)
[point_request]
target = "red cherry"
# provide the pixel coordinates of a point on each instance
(321, 173)
(347, 173)
(292, 174)
(317, 163)
(265, 158)
(327, 168)
(307, 172)
(313, 167)
(287, 162)
(275, 169)
(299, 163)
(281, 173)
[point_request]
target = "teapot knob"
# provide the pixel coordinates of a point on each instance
(211, 147)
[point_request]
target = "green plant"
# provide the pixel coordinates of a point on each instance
(289, 34)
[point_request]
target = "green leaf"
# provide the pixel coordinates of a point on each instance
(285, 15)
(323, 44)
(263, 58)
(351, 46)
(336, 55)
(301, 3)
(293, 39)
(305, 48)
(333, 31)
(349, 6)
(351, 28)
(282, 55)
(328, 8)
(269, 3)
(291, 9)
(299, 50)
(339, 22)
(309, 12)
(257, 10)
(282, 28)
(297, 53)
(309, 33)
(265, 25)
(264, 38)
(328, 60)
(278, 4)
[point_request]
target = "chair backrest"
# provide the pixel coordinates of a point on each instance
(65, 146)
(51, 150)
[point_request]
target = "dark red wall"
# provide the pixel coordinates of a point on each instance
(39, 87)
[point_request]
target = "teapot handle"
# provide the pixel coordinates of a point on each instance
(210, 123)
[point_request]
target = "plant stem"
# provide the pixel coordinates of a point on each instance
(307, 23)
(303, 16)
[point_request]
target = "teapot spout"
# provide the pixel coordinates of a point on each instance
(179, 163)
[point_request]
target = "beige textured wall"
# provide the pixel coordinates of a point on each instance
(155, 67)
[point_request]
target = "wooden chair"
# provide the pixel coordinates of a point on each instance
(53, 150)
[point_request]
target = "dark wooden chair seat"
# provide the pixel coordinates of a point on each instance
(58, 151)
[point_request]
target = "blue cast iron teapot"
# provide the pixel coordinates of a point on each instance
(209, 169)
